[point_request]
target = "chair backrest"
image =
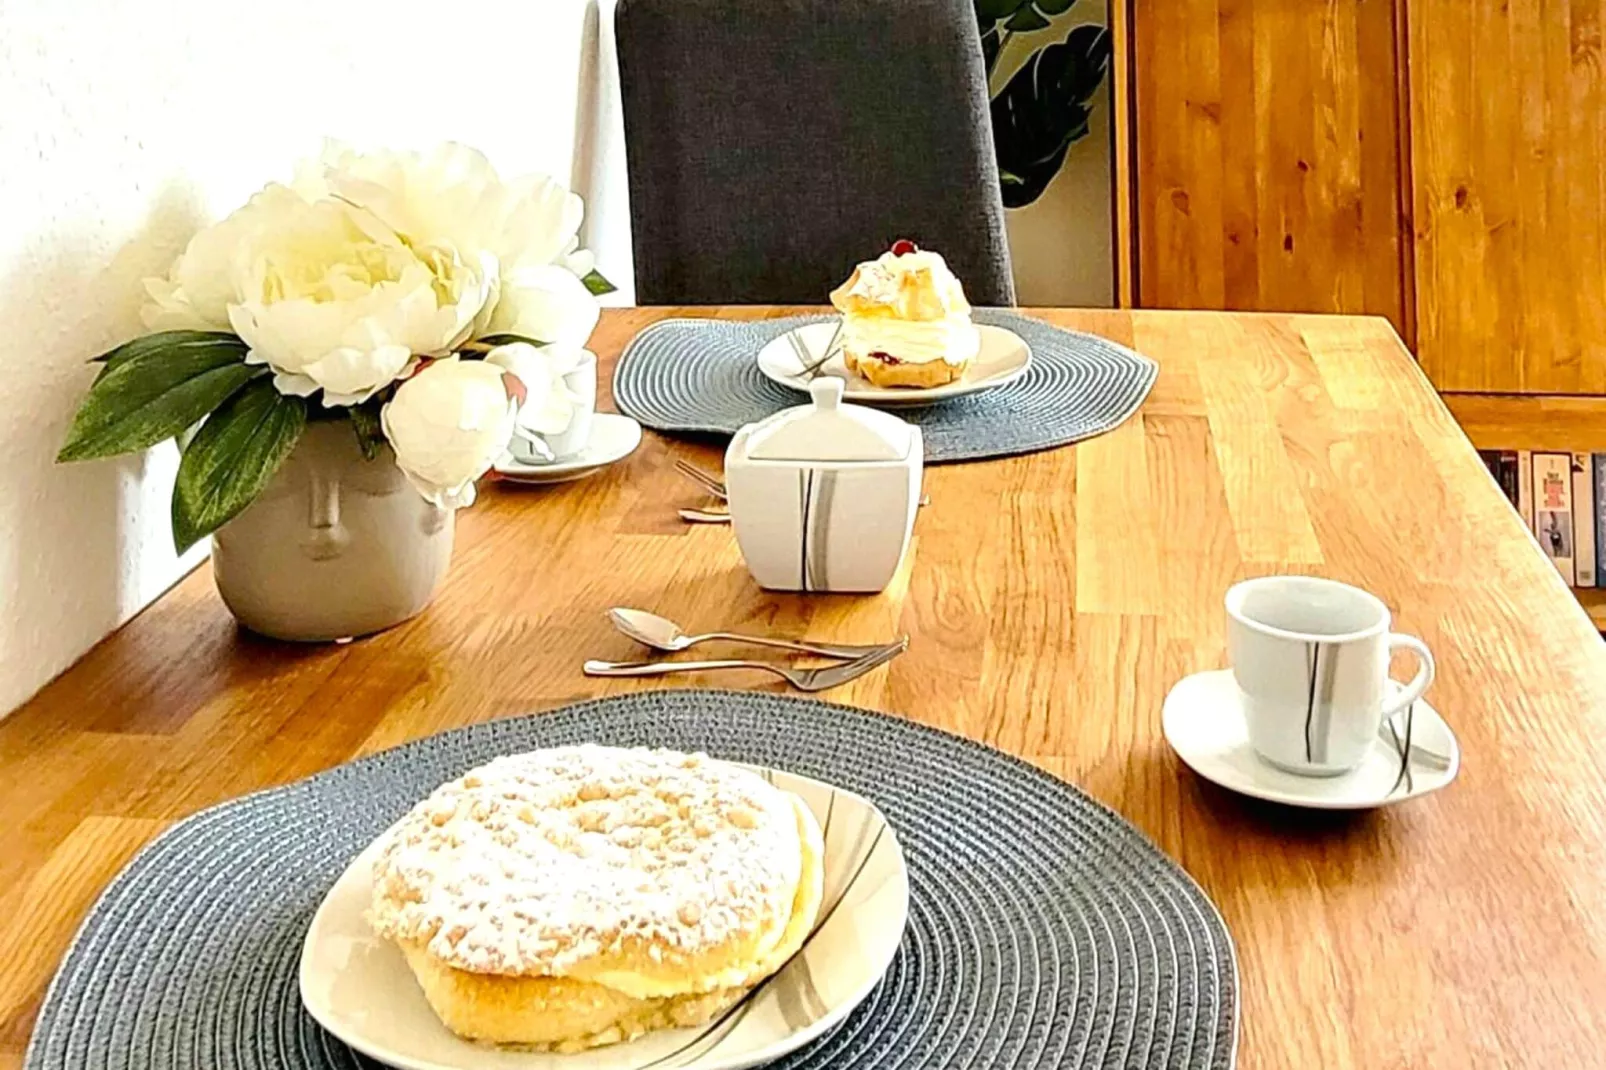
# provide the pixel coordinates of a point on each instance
(773, 144)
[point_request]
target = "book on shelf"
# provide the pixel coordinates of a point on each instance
(1600, 517)
(1585, 511)
(1561, 497)
(1502, 465)
(1525, 488)
(1553, 509)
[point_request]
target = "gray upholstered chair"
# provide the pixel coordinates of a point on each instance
(773, 144)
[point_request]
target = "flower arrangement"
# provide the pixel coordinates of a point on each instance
(420, 297)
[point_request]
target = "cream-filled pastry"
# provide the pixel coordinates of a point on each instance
(905, 320)
(568, 898)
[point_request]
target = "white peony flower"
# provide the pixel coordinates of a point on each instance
(448, 424)
(202, 283)
(549, 304)
(453, 197)
(548, 405)
(325, 294)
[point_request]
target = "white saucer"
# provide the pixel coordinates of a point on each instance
(1205, 725)
(613, 438)
(1004, 357)
(359, 988)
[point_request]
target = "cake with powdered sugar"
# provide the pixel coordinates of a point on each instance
(567, 898)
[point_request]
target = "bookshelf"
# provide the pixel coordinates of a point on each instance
(1537, 422)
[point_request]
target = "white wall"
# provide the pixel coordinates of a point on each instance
(125, 125)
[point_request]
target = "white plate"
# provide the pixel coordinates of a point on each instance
(1204, 723)
(613, 438)
(359, 988)
(1004, 357)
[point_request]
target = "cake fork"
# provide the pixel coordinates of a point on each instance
(811, 367)
(707, 480)
(802, 679)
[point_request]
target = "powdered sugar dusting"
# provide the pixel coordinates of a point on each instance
(537, 861)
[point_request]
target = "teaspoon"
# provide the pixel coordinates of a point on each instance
(649, 629)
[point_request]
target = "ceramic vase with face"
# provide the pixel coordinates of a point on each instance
(335, 546)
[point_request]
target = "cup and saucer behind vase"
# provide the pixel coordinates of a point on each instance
(1308, 714)
(592, 440)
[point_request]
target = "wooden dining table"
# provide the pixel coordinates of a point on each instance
(1052, 600)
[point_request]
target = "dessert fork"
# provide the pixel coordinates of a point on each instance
(707, 480)
(802, 679)
(811, 367)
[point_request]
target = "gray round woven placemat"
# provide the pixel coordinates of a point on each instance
(701, 376)
(1044, 931)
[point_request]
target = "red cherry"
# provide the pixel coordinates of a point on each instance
(903, 247)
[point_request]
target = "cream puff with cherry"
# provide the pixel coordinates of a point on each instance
(905, 320)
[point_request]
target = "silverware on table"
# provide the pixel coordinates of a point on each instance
(707, 480)
(660, 633)
(704, 516)
(802, 679)
(812, 368)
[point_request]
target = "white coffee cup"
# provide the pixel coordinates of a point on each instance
(526, 445)
(1311, 657)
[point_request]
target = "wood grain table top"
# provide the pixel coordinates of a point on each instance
(1052, 601)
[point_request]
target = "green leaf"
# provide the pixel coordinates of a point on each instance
(1026, 20)
(1054, 7)
(370, 432)
(163, 340)
(597, 284)
(153, 388)
(1044, 109)
(231, 459)
(509, 339)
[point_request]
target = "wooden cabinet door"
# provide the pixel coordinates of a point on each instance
(1268, 156)
(1508, 117)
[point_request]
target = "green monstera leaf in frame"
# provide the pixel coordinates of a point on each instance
(1021, 16)
(1045, 106)
(1044, 109)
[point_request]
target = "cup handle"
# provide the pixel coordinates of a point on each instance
(1419, 683)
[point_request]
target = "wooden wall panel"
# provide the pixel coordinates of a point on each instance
(1509, 146)
(1270, 171)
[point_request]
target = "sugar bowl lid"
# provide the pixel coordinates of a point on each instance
(828, 430)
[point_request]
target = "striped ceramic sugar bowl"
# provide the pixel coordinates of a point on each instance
(823, 496)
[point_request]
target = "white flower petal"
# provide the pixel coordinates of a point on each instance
(448, 424)
(580, 261)
(359, 372)
(549, 304)
(292, 385)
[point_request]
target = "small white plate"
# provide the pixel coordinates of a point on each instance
(1204, 723)
(359, 987)
(613, 438)
(1004, 357)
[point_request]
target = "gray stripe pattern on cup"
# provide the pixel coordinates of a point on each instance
(702, 377)
(1313, 655)
(1324, 703)
(1044, 930)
